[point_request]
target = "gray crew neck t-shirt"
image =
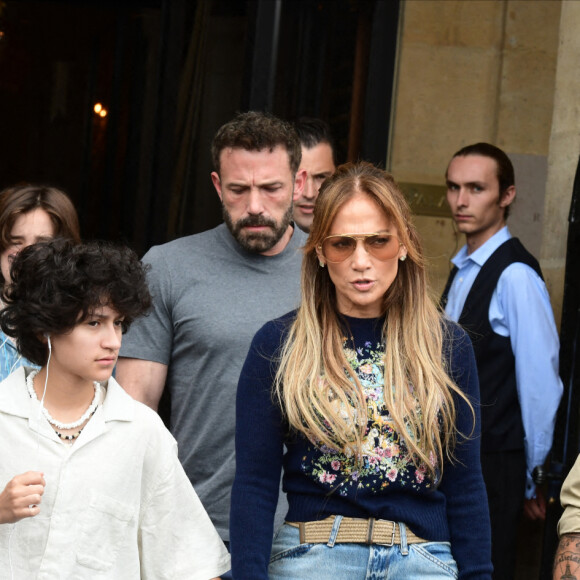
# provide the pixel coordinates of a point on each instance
(210, 297)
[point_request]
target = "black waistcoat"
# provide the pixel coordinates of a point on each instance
(501, 417)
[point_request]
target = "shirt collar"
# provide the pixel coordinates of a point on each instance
(118, 404)
(481, 255)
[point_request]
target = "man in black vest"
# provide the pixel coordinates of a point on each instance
(497, 293)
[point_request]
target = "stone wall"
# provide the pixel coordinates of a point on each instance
(564, 149)
(485, 71)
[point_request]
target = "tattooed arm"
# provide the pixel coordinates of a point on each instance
(567, 560)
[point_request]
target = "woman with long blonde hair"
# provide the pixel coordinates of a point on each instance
(368, 399)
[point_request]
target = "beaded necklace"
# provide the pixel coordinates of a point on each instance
(68, 437)
(85, 417)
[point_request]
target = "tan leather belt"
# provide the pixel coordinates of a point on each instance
(354, 531)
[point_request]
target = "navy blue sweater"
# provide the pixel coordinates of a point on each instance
(320, 481)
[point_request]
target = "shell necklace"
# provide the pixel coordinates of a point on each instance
(86, 415)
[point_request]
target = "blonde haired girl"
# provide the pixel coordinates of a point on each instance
(374, 396)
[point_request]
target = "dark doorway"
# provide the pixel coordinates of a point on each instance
(167, 74)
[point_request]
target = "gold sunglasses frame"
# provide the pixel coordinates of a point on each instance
(358, 237)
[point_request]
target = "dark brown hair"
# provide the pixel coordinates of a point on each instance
(312, 132)
(255, 131)
(21, 199)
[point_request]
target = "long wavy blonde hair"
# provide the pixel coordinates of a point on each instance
(315, 385)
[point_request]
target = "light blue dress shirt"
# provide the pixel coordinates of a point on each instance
(520, 308)
(10, 358)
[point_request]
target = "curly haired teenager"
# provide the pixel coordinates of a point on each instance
(92, 486)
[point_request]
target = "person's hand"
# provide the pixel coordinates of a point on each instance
(21, 497)
(535, 508)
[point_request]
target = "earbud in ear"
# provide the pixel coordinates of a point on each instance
(46, 335)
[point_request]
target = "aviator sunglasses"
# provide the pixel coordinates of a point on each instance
(339, 247)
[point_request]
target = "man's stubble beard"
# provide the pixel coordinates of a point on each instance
(258, 243)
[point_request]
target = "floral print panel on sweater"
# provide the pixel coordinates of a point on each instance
(386, 459)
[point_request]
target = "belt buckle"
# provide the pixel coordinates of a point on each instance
(392, 537)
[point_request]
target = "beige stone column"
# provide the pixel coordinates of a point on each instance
(469, 71)
(563, 154)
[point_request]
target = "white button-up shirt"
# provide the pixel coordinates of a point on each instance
(117, 503)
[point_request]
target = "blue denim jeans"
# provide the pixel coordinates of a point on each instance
(291, 560)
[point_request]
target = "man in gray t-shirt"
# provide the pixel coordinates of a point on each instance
(212, 292)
